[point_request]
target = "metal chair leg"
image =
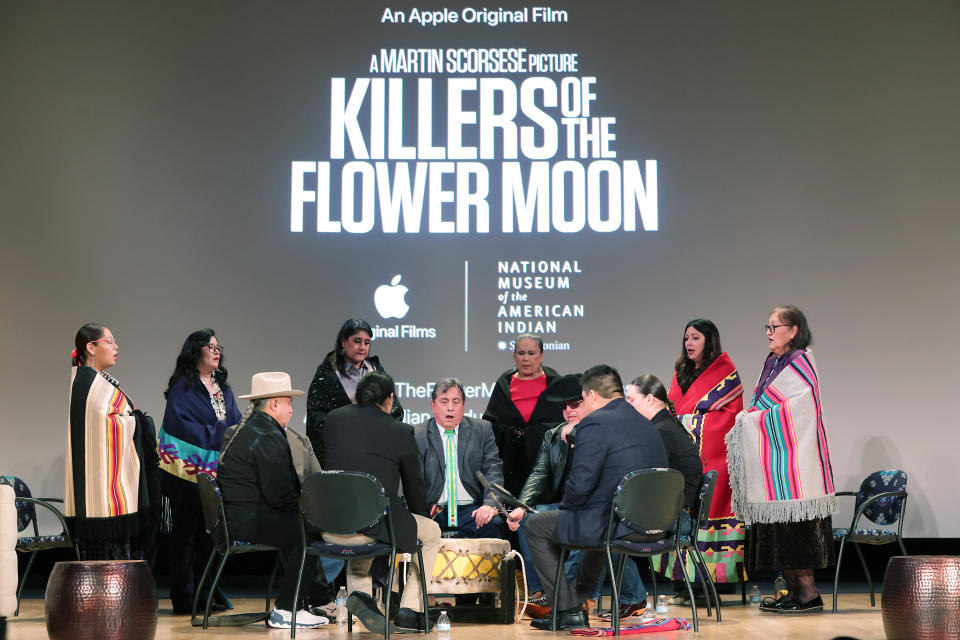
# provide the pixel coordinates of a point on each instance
(836, 573)
(296, 593)
(615, 606)
(273, 576)
(213, 587)
(903, 549)
(556, 591)
(866, 572)
(390, 574)
(693, 602)
(423, 590)
(199, 586)
(23, 581)
(709, 581)
(703, 581)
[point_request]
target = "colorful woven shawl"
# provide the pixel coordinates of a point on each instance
(708, 410)
(102, 465)
(777, 451)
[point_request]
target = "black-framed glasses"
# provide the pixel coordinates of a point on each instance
(214, 348)
(772, 328)
(571, 404)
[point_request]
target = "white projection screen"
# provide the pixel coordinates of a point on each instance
(599, 173)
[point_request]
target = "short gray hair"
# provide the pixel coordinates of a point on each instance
(445, 384)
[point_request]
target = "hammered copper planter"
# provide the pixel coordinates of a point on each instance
(921, 598)
(101, 600)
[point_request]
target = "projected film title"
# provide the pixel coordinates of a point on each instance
(478, 140)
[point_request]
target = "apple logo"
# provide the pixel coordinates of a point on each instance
(388, 298)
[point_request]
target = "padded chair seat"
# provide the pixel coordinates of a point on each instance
(350, 551)
(32, 543)
(658, 546)
(866, 536)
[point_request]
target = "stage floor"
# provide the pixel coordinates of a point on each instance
(855, 618)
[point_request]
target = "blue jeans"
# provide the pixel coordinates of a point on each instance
(533, 578)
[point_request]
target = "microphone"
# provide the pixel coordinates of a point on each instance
(510, 499)
(486, 486)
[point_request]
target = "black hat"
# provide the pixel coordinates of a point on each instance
(564, 389)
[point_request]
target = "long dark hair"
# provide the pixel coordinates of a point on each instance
(791, 315)
(687, 370)
(189, 358)
(350, 327)
(87, 334)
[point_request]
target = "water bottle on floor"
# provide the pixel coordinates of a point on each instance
(662, 607)
(755, 594)
(780, 586)
(443, 624)
(342, 612)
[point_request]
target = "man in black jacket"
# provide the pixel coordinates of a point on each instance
(260, 489)
(363, 437)
(612, 440)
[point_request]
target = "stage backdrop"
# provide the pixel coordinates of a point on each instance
(599, 173)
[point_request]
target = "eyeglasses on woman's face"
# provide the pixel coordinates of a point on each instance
(772, 328)
(214, 348)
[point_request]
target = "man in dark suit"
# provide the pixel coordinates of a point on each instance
(461, 502)
(363, 437)
(612, 440)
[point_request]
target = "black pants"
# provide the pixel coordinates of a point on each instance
(190, 545)
(279, 529)
(541, 532)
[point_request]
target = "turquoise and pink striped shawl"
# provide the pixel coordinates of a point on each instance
(777, 451)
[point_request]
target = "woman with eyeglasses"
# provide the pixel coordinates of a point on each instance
(200, 406)
(707, 396)
(520, 412)
(110, 500)
(780, 469)
(335, 382)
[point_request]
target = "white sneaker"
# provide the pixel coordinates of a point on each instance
(282, 619)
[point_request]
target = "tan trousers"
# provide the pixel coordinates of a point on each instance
(358, 571)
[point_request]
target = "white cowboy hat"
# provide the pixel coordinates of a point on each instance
(271, 384)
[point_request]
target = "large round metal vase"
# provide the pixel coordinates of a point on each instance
(101, 600)
(921, 598)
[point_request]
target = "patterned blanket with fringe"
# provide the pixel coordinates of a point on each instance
(653, 626)
(777, 451)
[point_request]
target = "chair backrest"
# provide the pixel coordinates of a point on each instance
(343, 502)
(649, 500)
(886, 510)
(211, 502)
(705, 499)
(26, 511)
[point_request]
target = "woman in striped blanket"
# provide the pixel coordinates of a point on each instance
(111, 457)
(780, 470)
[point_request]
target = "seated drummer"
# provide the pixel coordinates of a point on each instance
(453, 448)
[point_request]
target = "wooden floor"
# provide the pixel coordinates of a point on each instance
(856, 618)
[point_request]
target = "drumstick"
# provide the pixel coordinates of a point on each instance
(483, 481)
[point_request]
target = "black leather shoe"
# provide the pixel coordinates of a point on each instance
(410, 619)
(771, 605)
(571, 619)
(794, 606)
(365, 607)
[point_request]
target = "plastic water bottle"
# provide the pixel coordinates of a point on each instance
(342, 612)
(780, 586)
(443, 624)
(649, 614)
(755, 594)
(662, 607)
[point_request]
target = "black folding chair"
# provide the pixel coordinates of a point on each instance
(689, 543)
(215, 521)
(349, 503)
(655, 522)
(27, 515)
(649, 502)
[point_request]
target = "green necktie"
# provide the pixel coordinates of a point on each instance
(450, 436)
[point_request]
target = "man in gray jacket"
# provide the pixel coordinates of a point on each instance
(453, 448)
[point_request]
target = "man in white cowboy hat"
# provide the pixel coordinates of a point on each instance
(260, 489)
